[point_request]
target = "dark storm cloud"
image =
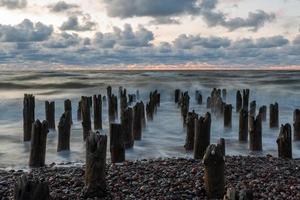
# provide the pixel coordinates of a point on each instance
(26, 31)
(73, 23)
(161, 11)
(13, 4)
(61, 6)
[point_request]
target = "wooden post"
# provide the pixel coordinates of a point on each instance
(274, 123)
(143, 114)
(86, 117)
(255, 133)
(239, 101)
(246, 94)
(68, 107)
(127, 126)
(137, 95)
(208, 102)
(243, 126)
(190, 130)
(224, 94)
(137, 121)
(214, 167)
(177, 95)
(202, 136)
(252, 111)
(108, 90)
(284, 141)
(123, 101)
(25, 189)
(113, 108)
(79, 117)
(117, 149)
(50, 114)
(38, 144)
(228, 116)
(296, 124)
(97, 112)
(221, 143)
(95, 184)
(28, 115)
(263, 113)
(64, 131)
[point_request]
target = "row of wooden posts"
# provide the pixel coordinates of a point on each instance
(250, 124)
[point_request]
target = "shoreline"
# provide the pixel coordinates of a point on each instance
(169, 178)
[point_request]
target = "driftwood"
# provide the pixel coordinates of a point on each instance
(255, 133)
(38, 144)
(263, 113)
(86, 116)
(246, 94)
(274, 112)
(68, 107)
(127, 126)
(228, 115)
(97, 99)
(25, 189)
(28, 115)
(50, 114)
(64, 131)
(190, 130)
(252, 111)
(214, 167)
(239, 101)
(243, 126)
(117, 148)
(95, 184)
(202, 136)
(284, 141)
(297, 124)
(138, 111)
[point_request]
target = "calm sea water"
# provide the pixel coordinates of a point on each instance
(165, 135)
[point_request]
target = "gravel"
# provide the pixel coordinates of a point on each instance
(168, 178)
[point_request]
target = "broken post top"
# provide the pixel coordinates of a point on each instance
(96, 143)
(213, 155)
(285, 132)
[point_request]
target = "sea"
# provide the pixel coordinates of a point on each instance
(161, 138)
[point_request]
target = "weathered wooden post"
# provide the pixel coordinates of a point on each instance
(95, 184)
(263, 113)
(274, 123)
(137, 121)
(64, 131)
(221, 143)
(255, 133)
(38, 144)
(190, 130)
(50, 114)
(113, 108)
(28, 115)
(177, 95)
(252, 111)
(246, 94)
(86, 117)
(296, 124)
(25, 189)
(68, 107)
(117, 149)
(243, 126)
(214, 167)
(284, 141)
(97, 112)
(108, 90)
(123, 101)
(143, 114)
(79, 118)
(228, 116)
(239, 101)
(208, 102)
(224, 94)
(137, 95)
(127, 126)
(202, 136)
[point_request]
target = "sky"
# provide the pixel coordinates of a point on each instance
(150, 34)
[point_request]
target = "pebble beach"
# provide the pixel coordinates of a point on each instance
(170, 178)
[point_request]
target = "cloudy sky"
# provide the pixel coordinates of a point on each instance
(160, 34)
